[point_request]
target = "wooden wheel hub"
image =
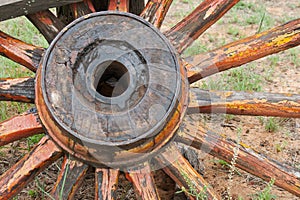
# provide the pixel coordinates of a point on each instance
(110, 89)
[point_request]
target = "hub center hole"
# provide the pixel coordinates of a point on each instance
(113, 81)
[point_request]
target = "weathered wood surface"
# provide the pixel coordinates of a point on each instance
(81, 9)
(199, 137)
(20, 52)
(181, 171)
(17, 89)
(106, 181)
(244, 103)
(183, 34)
(15, 8)
(245, 50)
(23, 172)
(47, 23)
(143, 182)
(155, 11)
(21, 126)
(69, 179)
(136, 6)
(119, 5)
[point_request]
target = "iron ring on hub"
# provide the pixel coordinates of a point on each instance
(113, 89)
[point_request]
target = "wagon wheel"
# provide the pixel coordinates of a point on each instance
(112, 93)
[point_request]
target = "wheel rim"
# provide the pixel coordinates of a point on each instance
(165, 127)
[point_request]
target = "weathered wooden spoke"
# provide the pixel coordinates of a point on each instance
(106, 183)
(181, 171)
(18, 176)
(17, 89)
(20, 52)
(190, 28)
(21, 126)
(247, 159)
(143, 182)
(47, 23)
(244, 103)
(119, 5)
(245, 50)
(69, 179)
(82, 8)
(155, 11)
(15, 8)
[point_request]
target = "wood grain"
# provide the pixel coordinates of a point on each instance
(25, 54)
(244, 103)
(183, 34)
(15, 8)
(106, 181)
(244, 51)
(20, 126)
(198, 136)
(70, 178)
(47, 23)
(23, 172)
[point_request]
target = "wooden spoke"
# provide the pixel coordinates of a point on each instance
(20, 52)
(247, 159)
(119, 5)
(106, 183)
(20, 126)
(155, 11)
(17, 89)
(81, 9)
(18, 176)
(69, 179)
(136, 6)
(243, 103)
(143, 182)
(246, 50)
(15, 8)
(184, 174)
(47, 23)
(191, 27)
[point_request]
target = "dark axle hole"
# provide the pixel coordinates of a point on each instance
(114, 81)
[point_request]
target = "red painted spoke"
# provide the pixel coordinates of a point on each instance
(119, 5)
(181, 171)
(191, 27)
(20, 52)
(243, 103)
(246, 50)
(14, 8)
(19, 127)
(17, 89)
(106, 183)
(47, 23)
(82, 8)
(155, 11)
(247, 159)
(69, 179)
(143, 182)
(23, 172)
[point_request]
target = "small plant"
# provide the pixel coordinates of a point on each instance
(32, 193)
(192, 191)
(233, 162)
(280, 146)
(42, 189)
(271, 125)
(33, 140)
(266, 193)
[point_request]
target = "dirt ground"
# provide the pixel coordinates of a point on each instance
(282, 144)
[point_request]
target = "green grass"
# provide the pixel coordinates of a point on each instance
(29, 34)
(240, 79)
(266, 194)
